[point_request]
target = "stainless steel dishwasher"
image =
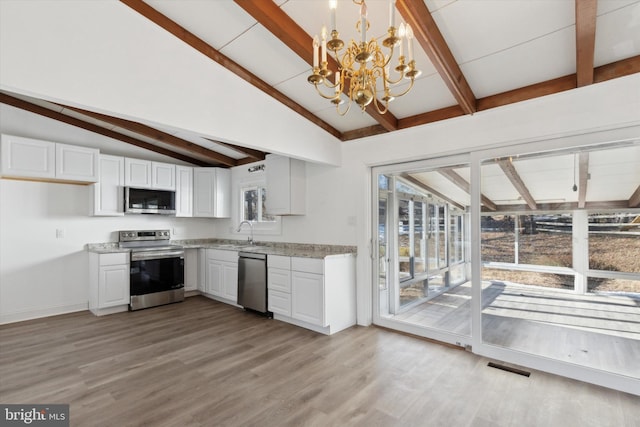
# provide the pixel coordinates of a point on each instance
(252, 282)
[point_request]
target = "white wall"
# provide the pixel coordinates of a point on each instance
(330, 217)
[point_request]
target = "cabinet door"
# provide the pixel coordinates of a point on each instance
(202, 270)
(222, 198)
(286, 185)
(108, 193)
(163, 176)
(230, 281)
(211, 192)
(203, 192)
(191, 269)
(279, 279)
(137, 173)
(279, 302)
(77, 163)
(29, 158)
(214, 277)
(184, 191)
(113, 288)
(278, 185)
(307, 297)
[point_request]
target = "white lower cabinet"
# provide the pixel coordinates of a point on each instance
(279, 284)
(191, 270)
(317, 294)
(108, 282)
(221, 274)
(307, 297)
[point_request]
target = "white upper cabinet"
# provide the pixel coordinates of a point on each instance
(35, 159)
(184, 191)
(77, 163)
(163, 176)
(212, 192)
(137, 173)
(30, 158)
(286, 185)
(147, 174)
(108, 193)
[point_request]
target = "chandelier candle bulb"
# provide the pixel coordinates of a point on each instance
(363, 22)
(316, 47)
(401, 32)
(409, 32)
(324, 44)
(333, 5)
(392, 13)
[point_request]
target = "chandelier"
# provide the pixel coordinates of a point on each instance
(363, 68)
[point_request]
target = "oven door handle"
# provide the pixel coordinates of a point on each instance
(147, 255)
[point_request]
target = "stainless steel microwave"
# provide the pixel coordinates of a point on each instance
(149, 201)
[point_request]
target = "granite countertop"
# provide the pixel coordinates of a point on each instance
(270, 248)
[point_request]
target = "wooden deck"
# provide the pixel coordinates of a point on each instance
(601, 332)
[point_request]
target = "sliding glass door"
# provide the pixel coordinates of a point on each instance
(529, 256)
(422, 252)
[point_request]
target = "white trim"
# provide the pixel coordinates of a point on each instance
(45, 312)
(558, 367)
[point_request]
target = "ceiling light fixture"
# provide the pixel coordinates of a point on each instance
(362, 67)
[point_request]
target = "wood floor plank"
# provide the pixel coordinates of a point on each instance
(203, 363)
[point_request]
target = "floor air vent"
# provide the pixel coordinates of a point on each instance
(509, 369)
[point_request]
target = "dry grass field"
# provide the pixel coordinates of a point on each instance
(610, 252)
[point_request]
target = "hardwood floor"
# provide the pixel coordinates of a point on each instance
(204, 363)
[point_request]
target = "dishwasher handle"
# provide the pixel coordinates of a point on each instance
(252, 255)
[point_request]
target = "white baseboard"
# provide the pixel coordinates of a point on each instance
(43, 312)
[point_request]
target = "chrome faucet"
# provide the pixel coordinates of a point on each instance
(250, 239)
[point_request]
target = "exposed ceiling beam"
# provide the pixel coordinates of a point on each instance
(510, 171)
(462, 183)
(613, 70)
(159, 136)
(583, 179)
(570, 206)
(603, 73)
(634, 200)
(431, 117)
(536, 90)
(363, 132)
(416, 13)
(431, 190)
(586, 11)
(27, 106)
(270, 16)
(201, 46)
(253, 155)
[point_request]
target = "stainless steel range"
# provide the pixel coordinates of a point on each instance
(157, 268)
